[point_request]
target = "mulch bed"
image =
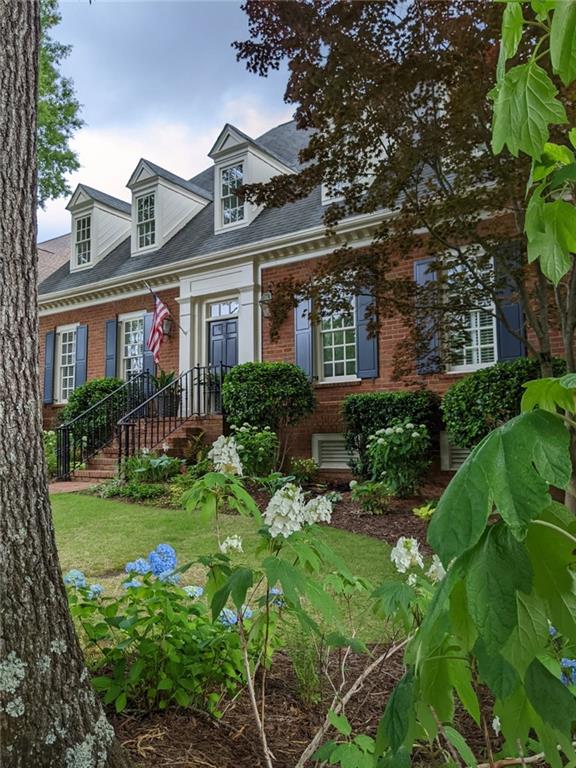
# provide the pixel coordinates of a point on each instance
(194, 740)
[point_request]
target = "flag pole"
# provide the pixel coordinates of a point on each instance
(170, 313)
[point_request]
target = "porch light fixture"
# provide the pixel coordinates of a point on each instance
(167, 325)
(264, 302)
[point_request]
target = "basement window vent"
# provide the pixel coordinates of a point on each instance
(330, 452)
(451, 457)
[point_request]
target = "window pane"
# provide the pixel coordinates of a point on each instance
(232, 206)
(338, 344)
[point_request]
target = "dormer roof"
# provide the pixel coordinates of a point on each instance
(233, 138)
(83, 194)
(147, 170)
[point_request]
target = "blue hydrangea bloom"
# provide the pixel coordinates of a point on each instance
(162, 559)
(228, 617)
(95, 591)
(568, 671)
(277, 597)
(140, 566)
(194, 591)
(552, 631)
(168, 577)
(132, 583)
(75, 578)
(247, 612)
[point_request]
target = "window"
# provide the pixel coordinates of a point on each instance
(232, 206)
(146, 221)
(338, 345)
(223, 309)
(132, 343)
(83, 251)
(476, 347)
(66, 362)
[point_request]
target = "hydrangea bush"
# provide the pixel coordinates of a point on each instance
(258, 449)
(399, 456)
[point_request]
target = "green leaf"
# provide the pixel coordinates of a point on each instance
(460, 618)
(292, 581)
(563, 175)
(568, 381)
(549, 697)
(525, 105)
(323, 753)
(512, 23)
(572, 137)
(340, 722)
(554, 244)
(219, 600)
(493, 669)
(563, 41)
(348, 756)
(459, 743)
(182, 698)
(499, 566)
(120, 703)
(516, 718)
(512, 469)
(240, 582)
(393, 598)
(400, 759)
(436, 684)
(395, 722)
(548, 394)
(461, 678)
(531, 635)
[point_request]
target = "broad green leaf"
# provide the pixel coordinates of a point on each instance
(499, 566)
(554, 155)
(554, 244)
(435, 683)
(459, 743)
(120, 703)
(461, 679)
(394, 598)
(366, 743)
(572, 137)
(530, 637)
(548, 394)
(493, 669)
(542, 7)
(563, 41)
(323, 753)
(292, 581)
(340, 722)
(240, 582)
(516, 718)
(525, 105)
(339, 640)
(563, 175)
(460, 619)
(568, 381)
(348, 756)
(182, 698)
(395, 722)
(512, 22)
(534, 222)
(400, 759)
(549, 697)
(219, 600)
(512, 469)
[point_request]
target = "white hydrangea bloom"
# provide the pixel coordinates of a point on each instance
(436, 572)
(285, 511)
(411, 580)
(318, 510)
(496, 725)
(224, 456)
(231, 544)
(409, 425)
(406, 554)
(389, 431)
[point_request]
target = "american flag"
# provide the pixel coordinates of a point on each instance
(156, 335)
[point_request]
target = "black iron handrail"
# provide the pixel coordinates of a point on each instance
(196, 392)
(82, 437)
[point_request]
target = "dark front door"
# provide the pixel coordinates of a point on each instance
(224, 342)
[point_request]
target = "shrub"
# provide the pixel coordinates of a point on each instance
(133, 490)
(399, 455)
(267, 394)
(156, 645)
(426, 511)
(49, 442)
(486, 399)
(88, 394)
(184, 482)
(303, 470)
(151, 468)
(373, 496)
(258, 449)
(365, 414)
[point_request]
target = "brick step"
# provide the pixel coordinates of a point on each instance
(102, 462)
(93, 474)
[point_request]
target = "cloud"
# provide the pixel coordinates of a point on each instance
(109, 155)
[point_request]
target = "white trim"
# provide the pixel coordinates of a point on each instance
(58, 399)
(115, 296)
(131, 315)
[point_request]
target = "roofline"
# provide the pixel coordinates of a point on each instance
(292, 239)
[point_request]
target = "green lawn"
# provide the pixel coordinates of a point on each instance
(99, 536)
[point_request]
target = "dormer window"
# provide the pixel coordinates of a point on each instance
(83, 244)
(146, 223)
(232, 206)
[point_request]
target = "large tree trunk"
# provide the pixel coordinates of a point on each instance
(50, 717)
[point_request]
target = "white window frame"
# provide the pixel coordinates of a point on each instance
(58, 367)
(122, 321)
(320, 333)
(231, 300)
(150, 222)
(471, 367)
(86, 221)
(240, 206)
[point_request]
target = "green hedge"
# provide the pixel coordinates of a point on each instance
(267, 395)
(365, 413)
(483, 400)
(87, 395)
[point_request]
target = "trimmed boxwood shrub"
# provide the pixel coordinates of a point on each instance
(479, 403)
(267, 395)
(87, 395)
(365, 413)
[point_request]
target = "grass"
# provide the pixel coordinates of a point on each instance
(99, 536)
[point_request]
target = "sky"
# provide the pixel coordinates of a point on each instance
(157, 79)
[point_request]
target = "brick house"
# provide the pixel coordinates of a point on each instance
(214, 261)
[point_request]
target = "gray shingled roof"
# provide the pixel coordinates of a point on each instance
(197, 237)
(52, 254)
(105, 199)
(178, 180)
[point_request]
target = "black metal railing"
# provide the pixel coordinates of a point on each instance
(197, 392)
(82, 437)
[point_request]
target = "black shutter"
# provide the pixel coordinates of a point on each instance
(303, 336)
(49, 353)
(509, 346)
(80, 368)
(427, 361)
(148, 365)
(366, 346)
(110, 368)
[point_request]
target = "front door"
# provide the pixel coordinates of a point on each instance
(223, 342)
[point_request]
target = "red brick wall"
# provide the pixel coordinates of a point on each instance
(95, 318)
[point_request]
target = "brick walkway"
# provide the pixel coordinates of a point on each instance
(69, 487)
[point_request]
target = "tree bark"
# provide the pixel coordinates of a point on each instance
(49, 714)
